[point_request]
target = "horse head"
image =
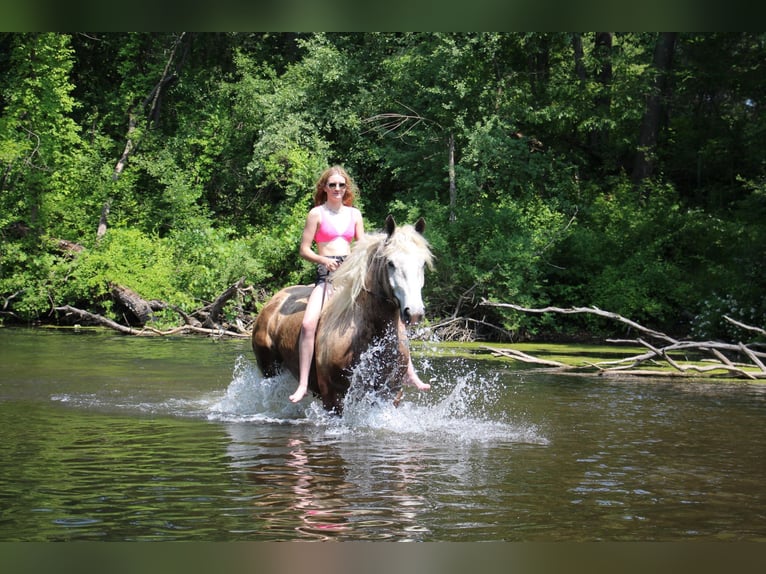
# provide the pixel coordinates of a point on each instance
(405, 265)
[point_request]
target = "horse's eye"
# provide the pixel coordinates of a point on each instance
(391, 265)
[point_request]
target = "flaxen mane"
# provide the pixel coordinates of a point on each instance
(374, 249)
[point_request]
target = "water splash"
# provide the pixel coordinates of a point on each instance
(461, 407)
(252, 397)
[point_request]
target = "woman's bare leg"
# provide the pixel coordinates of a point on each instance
(413, 379)
(306, 341)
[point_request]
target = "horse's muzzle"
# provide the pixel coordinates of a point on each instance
(411, 318)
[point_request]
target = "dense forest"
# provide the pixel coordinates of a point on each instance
(625, 171)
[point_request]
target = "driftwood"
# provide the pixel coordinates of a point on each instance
(145, 331)
(211, 314)
(141, 311)
(524, 357)
(457, 329)
(737, 360)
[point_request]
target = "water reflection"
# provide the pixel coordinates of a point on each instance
(322, 516)
(376, 472)
(297, 487)
(320, 488)
(144, 446)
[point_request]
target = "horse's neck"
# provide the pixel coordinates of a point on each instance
(379, 305)
(377, 315)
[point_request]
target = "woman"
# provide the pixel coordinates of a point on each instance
(333, 223)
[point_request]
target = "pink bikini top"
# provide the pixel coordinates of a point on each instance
(328, 232)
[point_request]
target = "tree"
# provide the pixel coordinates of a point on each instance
(656, 104)
(523, 150)
(39, 142)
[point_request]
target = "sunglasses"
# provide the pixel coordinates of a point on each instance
(338, 185)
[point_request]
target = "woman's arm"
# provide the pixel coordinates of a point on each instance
(307, 239)
(359, 227)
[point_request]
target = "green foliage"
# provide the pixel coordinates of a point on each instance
(127, 257)
(288, 152)
(25, 280)
(736, 272)
(229, 132)
(630, 258)
(207, 261)
(40, 146)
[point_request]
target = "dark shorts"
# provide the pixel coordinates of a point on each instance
(322, 271)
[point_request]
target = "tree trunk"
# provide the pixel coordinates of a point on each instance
(153, 101)
(599, 138)
(101, 231)
(140, 309)
(645, 160)
(452, 187)
(578, 57)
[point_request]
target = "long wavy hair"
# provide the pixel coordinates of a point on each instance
(351, 190)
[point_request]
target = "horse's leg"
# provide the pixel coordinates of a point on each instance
(412, 379)
(332, 404)
(262, 345)
(266, 361)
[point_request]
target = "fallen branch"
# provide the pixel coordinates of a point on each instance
(211, 314)
(98, 320)
(145, 331)
(746, 327)
(519, 355)
(590, 310)
(658, 353)
(452, 330)
(141, 310)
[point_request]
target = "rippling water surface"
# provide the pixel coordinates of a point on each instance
(106, 437)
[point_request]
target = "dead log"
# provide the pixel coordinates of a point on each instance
(141, 313)
(211, 314)
(667, 352)
(591, 310)
(126, 298)
(524, 357)
(97, 319)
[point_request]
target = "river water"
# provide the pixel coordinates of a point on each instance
(115, 438)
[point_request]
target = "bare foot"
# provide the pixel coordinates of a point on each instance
(298, 395)
(414, 381)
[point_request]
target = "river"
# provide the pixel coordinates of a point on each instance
(116, 438)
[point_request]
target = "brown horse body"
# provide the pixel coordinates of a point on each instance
(376, 293)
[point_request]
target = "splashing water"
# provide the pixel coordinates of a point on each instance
(460, 407)
(253, 397)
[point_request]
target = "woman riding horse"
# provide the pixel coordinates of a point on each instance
(377, 292)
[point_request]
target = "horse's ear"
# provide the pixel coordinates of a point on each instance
(390, 225)
(420, 225)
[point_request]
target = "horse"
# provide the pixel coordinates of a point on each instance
(376, 294)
